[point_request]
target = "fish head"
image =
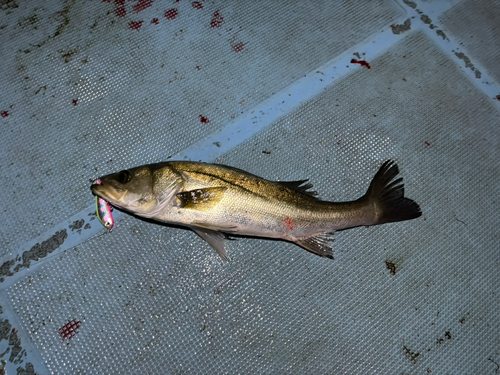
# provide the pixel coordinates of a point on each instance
(141, 190)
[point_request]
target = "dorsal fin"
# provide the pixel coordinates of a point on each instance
(300, 186)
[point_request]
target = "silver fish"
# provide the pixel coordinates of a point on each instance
(214, 200)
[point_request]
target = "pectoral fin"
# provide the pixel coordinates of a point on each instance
(214, 239)
(320, 244)
(200, 199)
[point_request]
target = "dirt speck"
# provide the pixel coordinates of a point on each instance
(67, 56)
(63, 18)
(28, 21)
(77, 224)
(468, 63)
(411, 355)
(426, 19)
(411, 4)
(29, 370)
(5, 269)
(441, 34)
(391, 267)
(398, 29)
(447, 336)
(8, 4)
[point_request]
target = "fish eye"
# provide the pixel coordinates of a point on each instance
(123, 177)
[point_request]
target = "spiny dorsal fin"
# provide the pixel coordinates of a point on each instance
(201, 199)
(299, 186)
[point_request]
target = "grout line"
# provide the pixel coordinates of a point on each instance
(443, 39)
(435, 9)
(31, 353)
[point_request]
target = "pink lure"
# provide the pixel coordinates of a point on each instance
(103, 211)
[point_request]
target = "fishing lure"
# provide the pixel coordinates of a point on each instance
(103, 210)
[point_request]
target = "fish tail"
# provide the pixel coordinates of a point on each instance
(388, 195)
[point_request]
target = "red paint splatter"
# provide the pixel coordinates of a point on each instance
(135, 25)
(288, 223)
(13, 330)
(429, 371)
(120, 10)
(393, 26)
(11, 106)
(197, 5)
(217, 291)
(217, 19)
(361, 62)
(75, 101)
(404, 56)
(238, 47)
(498, 97)
(198, 67)
(204, 120)
(69, 330)
(155, 21)
(427, 144)
(171, 14)
(142, 4)
(404, 79)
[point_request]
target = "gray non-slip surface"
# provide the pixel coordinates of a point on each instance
(408, 298)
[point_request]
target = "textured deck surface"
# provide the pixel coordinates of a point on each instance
(286, 91)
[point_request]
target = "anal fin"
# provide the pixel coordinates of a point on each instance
(320, 244)
(214, 239)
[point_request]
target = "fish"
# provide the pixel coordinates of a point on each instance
(217, 201)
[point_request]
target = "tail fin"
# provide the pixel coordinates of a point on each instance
(388, 195)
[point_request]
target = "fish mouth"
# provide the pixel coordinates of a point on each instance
(107, 192)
